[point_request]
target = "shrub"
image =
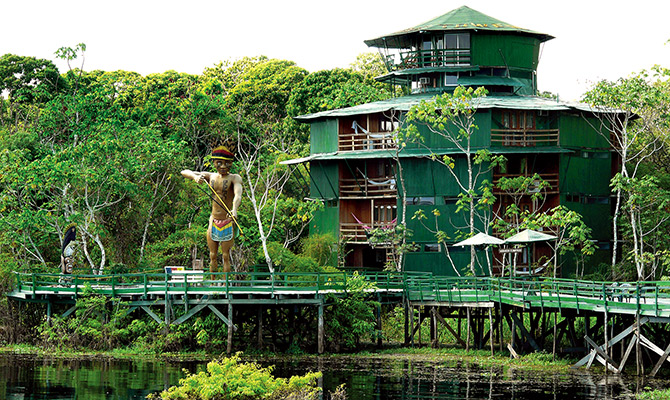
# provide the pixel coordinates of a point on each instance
(352, 316)
(229, 379)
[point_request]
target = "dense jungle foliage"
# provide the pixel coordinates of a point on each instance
(103, 149)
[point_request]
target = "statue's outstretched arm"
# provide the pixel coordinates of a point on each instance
(198, 177)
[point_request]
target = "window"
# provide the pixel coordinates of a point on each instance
(515, 119)
(450, 200)
(421, 201)
(597, 200)
(595, 154)
(450, 80)
(456, 49)
(432, 248)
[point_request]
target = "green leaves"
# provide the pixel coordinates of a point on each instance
(28, 79)
(230, 379)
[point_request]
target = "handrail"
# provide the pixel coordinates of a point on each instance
(650, 298)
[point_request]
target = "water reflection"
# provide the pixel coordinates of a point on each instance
(23, 377)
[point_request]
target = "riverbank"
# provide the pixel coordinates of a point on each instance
(482, 358)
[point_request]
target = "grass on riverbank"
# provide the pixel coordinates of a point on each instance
(654, 395)
(479, 357)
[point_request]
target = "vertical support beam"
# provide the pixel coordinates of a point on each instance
(433, 328)
(229, 347)
(321, 330)
(407, 311)
(512, 325)
(48, 310)
(467, 337)
(553, 351)
(260, 327)
(379, 321)
(491, 330)
(638, 355)
(419, 325)
(500, 326)
(168, 309)
(607, 349)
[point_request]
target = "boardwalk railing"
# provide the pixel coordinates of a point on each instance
(162, 283)
(649, 298)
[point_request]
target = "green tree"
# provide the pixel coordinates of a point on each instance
(451, 116)
(628, 109)
(572, 234)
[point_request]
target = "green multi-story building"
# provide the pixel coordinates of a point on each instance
(354, 158)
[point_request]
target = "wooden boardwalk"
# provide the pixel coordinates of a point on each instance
(526, 305)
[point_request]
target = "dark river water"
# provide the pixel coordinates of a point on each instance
(28, 377)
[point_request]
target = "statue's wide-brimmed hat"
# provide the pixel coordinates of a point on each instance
(222, 153)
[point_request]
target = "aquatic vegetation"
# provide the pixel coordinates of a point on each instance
(229, 378)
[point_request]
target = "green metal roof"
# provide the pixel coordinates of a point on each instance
(460, 19)
(417, 153)
(404, 103)
(489, 81)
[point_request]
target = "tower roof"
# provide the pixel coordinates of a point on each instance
(460, 19)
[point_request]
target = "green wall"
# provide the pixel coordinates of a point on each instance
(577, 131)
(480, 138)
(324, 179)
(519, 51)
(326, 220)
(323, 136)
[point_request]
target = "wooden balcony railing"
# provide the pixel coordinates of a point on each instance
(366, 141)
(551, 179)
(353, 232)
(524, 137)
(371, 187)
(430, 58)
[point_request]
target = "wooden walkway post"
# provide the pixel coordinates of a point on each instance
(491, 329)
(260, 327)
(321, 330)
(229, 348)
(467, 336)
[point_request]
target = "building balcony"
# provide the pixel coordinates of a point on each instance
(365, 188)
(357, 233)
(429, 58)
(524, 137)
(366, 141)
(551, 179)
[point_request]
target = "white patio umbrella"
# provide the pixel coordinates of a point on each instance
(479, 240)
(529, 236)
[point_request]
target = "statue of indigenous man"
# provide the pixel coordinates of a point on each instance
(226, 198)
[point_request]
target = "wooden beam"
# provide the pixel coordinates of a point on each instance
(627, 354)
(151, 314)
(449, 328)
(71, 310)
(604, 358)
(511, 350)
(664, 357)
(189, 314)
(525, 333)
(222, 317)
(229, 347)
(321, 331)
(614, 340)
